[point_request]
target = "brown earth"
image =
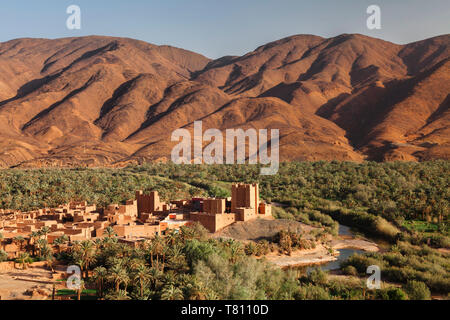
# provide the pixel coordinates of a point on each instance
(100, 101)
(29, 284)
(260, 229)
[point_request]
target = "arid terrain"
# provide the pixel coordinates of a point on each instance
(100, 101)
(30, 284)
(261, 229)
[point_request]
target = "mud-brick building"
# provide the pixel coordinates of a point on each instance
(149, 203)
(245, 201)
(137, 231)
(245, 205)
(212, 221)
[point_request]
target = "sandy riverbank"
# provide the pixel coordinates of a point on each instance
(320, 254)
(358, 244)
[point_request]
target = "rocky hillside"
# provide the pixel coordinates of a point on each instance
(99, 101)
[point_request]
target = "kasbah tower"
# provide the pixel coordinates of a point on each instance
(245, 196)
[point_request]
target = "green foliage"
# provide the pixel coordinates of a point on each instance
(396, 294)
(313, 292)
(404, 263)
(317, 276)
(375, 198)
(288, 241)
(368, 223)
(350, 270)
(3, 256)
(196, 250)
(403, 203)
(417, 290)
(180, 266)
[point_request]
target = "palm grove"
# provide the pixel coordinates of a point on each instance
(403, 204)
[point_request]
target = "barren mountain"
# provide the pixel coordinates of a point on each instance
(110, 101)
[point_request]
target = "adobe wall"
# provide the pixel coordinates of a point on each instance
(245, 196)
(216, 206)
(51, 237)
(148, 203)
(265, 210)
(245, 214)
(206, 220)
(79, 237)
(224, 220)
(129, 209)
(213, 222)
(144, 231)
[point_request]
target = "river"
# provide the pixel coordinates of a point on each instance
(343, 253)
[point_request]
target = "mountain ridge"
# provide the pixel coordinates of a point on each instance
(101, 101)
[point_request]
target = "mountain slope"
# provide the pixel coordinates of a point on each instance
(109, 101)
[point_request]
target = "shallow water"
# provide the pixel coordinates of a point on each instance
(343, 253)
(332, 265)
(345, 231)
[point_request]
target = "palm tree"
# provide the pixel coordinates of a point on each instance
(151, 251)
(45, 231)
(170, 292)
(117, 274)
(236, 251)
(58, 242)
(164, 252)
(110, 232)
(154, 276)
(141, 273)
(199, 292)
(34, 236)
(98, 243)
(196, 290)
(87, 250)
(1, 240)
(172, 237)
(100, 274)
(158, 248)
(24, 259)
(20, 241)
(80, 290)
(46, 250)
(119, 295)
(50, 260)
(41, 244)
(176, 258)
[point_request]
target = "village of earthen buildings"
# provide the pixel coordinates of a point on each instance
(137, 220)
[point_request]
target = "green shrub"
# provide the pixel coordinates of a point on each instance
(196, 250)
(417, 290)
(350, 270)
(3, 256)
(312, 292)
(317, 276)
(368, 223)
(362, 262)
(396, 294)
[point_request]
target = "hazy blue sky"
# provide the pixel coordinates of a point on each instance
(227, 27)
